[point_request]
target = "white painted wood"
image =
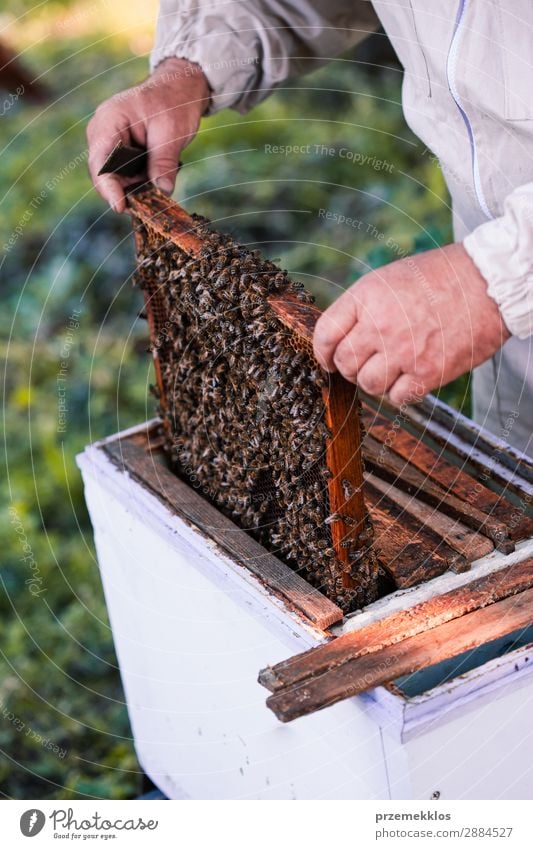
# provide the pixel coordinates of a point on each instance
(456, 697)
(190, 643)
(401, 599)
(478, 433)
(192, 628)
(468, 739)
(219, 566)
(483, 753)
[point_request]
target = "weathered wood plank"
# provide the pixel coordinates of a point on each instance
(415, 620)
(470, 544)
(186, 503)
(390, 467)
(484, 467)
(409, 655)
(454, 479)
(408, 552)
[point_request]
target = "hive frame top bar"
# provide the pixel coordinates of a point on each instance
(164, 216)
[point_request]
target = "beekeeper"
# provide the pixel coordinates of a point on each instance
(421, 321)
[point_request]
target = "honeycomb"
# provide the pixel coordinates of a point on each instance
(242, 402)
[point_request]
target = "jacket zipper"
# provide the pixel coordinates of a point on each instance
(451, 68)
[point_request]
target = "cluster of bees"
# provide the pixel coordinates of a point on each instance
(243, 409)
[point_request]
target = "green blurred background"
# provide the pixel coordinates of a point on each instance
(64, 730)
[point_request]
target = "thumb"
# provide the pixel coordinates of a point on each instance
(165, 144)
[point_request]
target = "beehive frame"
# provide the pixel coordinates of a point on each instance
(334, 551)
(423, 526)
(420, 504)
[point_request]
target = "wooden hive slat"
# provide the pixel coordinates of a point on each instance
(442, 628)
(436, 468)
(487, 460)
(392, 468)
(422, 617)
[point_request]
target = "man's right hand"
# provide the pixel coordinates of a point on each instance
(162, 114)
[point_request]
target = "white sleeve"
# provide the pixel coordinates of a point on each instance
(247, 47)
(502, 249)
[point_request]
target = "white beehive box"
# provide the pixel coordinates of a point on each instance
(193, 626)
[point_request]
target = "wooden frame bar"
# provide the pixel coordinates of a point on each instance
(410, 480)
(436, 468)
(469, 448)
(349, 517)
(483, 610)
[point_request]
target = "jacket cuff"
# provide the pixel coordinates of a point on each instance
(233, 79)
(503, 253)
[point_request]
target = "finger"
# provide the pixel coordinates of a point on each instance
(378, 374)
(104, 131)
(408, 389)
(164, 147)
(112, 191)
(332, 327)
(103, 135)
(353, 351)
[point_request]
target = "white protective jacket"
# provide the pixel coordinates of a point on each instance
(467, 93)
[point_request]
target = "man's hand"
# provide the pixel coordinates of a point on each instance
(411, 326)
(162, 114)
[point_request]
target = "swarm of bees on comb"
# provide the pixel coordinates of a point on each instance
(242, 400)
